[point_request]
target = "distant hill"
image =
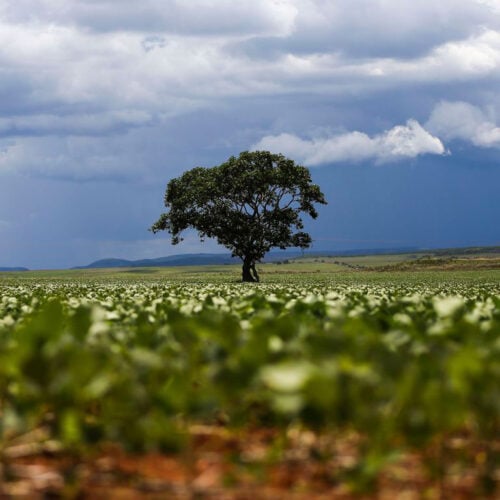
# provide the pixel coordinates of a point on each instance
(199, 259)
(172, 260)
(466, 251)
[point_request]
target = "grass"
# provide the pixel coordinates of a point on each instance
(376, 268)
(170, 405)
(329, 267)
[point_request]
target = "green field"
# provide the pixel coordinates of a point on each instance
(322, 380)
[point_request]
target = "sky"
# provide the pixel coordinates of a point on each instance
(394, 105)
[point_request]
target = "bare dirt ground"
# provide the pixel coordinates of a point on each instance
(261, 463)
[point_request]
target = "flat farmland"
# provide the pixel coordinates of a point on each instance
(321, 382)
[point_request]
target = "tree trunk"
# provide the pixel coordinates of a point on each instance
(254, 272)
(249, 273)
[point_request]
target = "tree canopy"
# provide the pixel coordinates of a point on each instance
(249, 204)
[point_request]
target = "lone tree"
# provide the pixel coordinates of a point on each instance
(249, 204)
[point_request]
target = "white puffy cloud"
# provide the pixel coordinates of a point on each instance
(475, 59)
(402, 141)
(461, 120)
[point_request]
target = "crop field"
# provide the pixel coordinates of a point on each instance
(183, 383)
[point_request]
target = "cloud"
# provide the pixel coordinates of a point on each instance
(210, 17)
(49, 52)
(73, 158)
(76, 75)
(461, 120)
(79, 124)
(474, 59)
(494, 5)
(400, 142)
(383, 28)
(402, 28)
